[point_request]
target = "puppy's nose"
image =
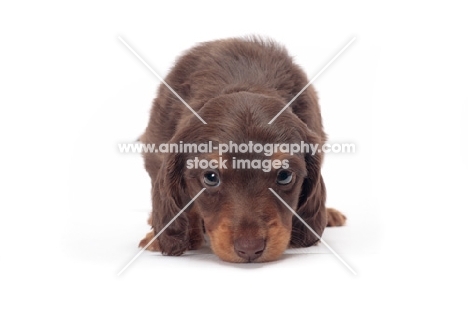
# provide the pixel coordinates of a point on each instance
(249, 249)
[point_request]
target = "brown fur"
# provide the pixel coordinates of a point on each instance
(335, 218)
(237, 86)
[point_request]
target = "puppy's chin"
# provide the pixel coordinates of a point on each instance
(277, 241)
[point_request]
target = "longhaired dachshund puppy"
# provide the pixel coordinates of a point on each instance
(237, 86)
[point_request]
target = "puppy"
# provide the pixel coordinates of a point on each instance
(237, 86)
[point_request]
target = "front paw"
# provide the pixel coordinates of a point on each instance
(167, 245)
(335, 218)
(154, 246)
(173, 245)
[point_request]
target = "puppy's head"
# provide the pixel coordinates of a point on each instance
(245, 221)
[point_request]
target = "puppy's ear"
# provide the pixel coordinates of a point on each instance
(169, 197)
(311, 205)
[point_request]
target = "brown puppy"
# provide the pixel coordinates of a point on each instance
(237, 86)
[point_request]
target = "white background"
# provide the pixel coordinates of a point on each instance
(72, 209)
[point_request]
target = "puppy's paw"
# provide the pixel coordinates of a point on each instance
(154, 246)
(173, 245)
(335, 218)
(196, 242)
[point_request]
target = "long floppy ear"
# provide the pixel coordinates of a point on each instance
(311, 205)
(169, 197)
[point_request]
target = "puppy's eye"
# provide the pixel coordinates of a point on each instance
(211, 179)
(284, 177)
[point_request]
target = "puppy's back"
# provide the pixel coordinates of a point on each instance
(224, 66)
(213, 68)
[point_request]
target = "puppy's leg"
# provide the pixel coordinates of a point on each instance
(153, 247)
(196, 230)
(335, 218)
(196, 233)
